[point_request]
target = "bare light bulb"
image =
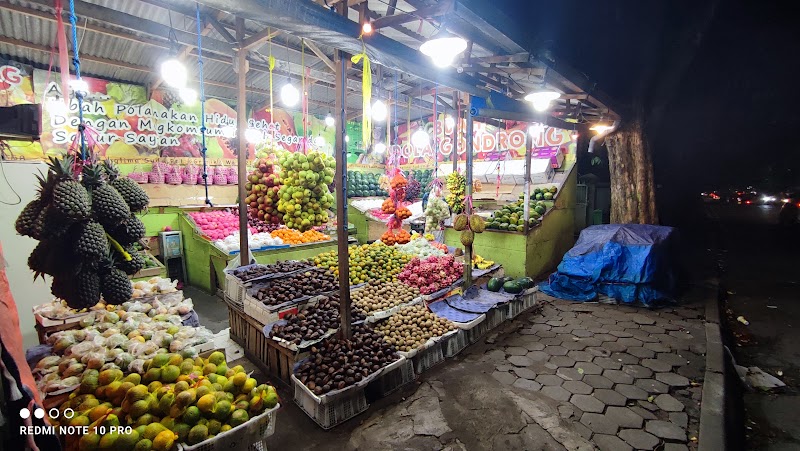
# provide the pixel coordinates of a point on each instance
(380, 147)
(379, 111)
(79, 85)
(289, 95)
(329, 121)
(188, 96)
(420, 138)
(174, 73)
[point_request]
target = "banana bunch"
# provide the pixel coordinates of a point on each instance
(479, 262)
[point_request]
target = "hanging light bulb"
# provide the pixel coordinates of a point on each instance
(379, 111)
(174, 72)
(600, 128)
(319, 140)
(347, 138)
(542, 99)
(79, 85)
(420, 138)
(449, 122)
(289, 95)
(574, 135)
(188, 96)
(329, 121)
(367, 28)
(443, 48)
(380, 147)
(535, 130)
(254, 136)
(57, 107)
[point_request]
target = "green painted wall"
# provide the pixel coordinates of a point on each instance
(541, 250)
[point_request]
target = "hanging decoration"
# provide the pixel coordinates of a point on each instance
(203, 148)
(366, 96)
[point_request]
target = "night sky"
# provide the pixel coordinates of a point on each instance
(730, 119)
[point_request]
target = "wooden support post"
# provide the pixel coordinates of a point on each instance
(241, 142)
(527, 185)
(468, 209)
(340, 153)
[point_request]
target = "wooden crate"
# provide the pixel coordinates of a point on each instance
(46, 326)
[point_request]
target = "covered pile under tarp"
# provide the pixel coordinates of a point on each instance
(628, 262)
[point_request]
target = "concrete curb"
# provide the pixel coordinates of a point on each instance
(713, 405)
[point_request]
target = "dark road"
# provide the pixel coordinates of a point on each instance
(761, 275)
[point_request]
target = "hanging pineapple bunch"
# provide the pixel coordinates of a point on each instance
(86, 230)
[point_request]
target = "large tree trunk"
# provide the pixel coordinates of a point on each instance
(633, 196)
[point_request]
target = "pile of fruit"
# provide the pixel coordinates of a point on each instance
(380, 296)
(367, 262)
(468, 226)
(456, 187)
(302, 284)
(509, 284)
(390, 237)
(218, 224)
(263, 186)
(387, 207)
(177, 401)
(422, 248)
(292, 236)
(545, 193)
(412, 327)
(423, 179)
(312, 323)
(248, 273)
(479, 262)
(153, 286)
(512, 217)
(431, 274)
(121, 339)
(257, 224)
(360, 184)
(83, 218)
(254, 241)
(335, 364)
(304, 195)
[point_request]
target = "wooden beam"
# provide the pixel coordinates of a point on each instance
(392, 7)
(220, 29)
(259, 38)
(523, 57)
(241, 142)
(321, 55)
(439, 9)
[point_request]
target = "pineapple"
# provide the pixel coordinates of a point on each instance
(90, 240)
(129, 231)
(115, 286)
(87, 290)
(52, 223)
(26, 221)
(69, 198)
(133, 194)
(134, 265)
(108, 206)
(54, 258)
(63, 288)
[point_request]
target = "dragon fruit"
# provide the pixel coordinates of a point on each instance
(432, 273)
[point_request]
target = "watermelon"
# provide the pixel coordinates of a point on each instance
(512, 287)
(494, 284)
(525, 282)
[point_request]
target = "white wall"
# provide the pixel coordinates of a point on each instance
(21, 176)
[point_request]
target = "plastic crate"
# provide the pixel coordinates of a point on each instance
(429, 357)
(394, 377)
(517, 306)
(234, 289)
(333, 413)
(248, 436)
(456, 343)
(495, 317)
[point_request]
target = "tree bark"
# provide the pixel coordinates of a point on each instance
(633, 196)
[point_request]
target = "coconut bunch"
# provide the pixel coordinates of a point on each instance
(83, 218)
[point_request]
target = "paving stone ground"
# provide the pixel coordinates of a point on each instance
(568, 376)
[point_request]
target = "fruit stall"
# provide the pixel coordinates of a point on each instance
(356, 245)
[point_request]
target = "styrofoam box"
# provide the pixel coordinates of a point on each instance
(333, 413)
(249, 435)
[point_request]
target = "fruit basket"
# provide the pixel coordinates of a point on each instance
(522, 303)
(330, 414)
(152, 267)
(247, 436)
(394, 376)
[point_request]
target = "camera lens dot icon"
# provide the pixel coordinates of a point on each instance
(24, 413)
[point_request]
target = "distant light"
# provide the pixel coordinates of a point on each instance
(329, 121)
(347, 138)
(380, 147)
(319, 140)
(188, 96)
(57, 107)
(367, 28)
(575, 136)
(600, 128)
(173, 71)
(420, 139)
(443, 48)
(289, 95)
(254, 136)
(542, 99)
(786, 201)
(535, 130)
(79, 85)
(379, 111)
(449, 122)
(768, 199)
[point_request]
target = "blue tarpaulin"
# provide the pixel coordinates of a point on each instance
(632, 263)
